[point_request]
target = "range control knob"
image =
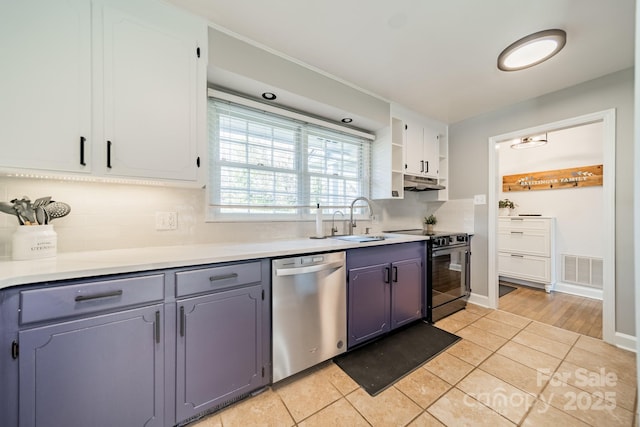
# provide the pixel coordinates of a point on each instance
(442, 241)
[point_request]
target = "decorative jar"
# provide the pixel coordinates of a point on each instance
(34, 242)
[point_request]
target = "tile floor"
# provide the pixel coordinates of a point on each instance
(507, 370)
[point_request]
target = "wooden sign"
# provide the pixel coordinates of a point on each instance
(585, 176)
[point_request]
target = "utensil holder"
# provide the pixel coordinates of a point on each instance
(34, 242)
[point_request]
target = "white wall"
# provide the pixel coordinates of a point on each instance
(468, 154)
(578, 211)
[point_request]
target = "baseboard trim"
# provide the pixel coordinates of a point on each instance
(626, 342)
(580, 291)
(528, 283)
(480, 300)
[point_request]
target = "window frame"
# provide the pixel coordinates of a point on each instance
(304, 211)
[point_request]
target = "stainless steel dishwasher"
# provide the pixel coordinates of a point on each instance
(309, 313)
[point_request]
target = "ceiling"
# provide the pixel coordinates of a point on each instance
(435, 57)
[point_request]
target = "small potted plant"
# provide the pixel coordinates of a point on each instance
(429, 222)
(505, 206)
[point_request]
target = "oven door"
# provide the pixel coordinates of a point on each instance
(448, 280)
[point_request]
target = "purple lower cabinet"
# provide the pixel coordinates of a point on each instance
(219, 349)
(101, 371)
(407, 292)
(386, 288)
(369, 303)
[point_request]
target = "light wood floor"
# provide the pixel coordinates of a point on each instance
(577, 314)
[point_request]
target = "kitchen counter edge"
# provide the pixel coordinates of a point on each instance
(76, 265)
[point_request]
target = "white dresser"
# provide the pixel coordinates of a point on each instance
(526, 249)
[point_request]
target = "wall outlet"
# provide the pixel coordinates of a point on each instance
(480, 199)
(166, 220)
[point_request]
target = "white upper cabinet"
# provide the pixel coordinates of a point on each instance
(107, 87)
(45, 106)
(151, 59)
(421, 147)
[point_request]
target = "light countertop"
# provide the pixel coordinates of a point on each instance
(72, 265)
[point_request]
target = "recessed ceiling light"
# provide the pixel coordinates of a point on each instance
(269, 96)
(347, 120)
(532, 50)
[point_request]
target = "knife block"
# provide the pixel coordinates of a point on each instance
(34, 242)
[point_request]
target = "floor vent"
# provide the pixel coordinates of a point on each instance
(582, 270)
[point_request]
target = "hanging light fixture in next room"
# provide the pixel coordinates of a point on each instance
(529, 142)
(532, 50)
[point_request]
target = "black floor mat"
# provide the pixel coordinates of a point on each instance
(505, 289)
(378, 365)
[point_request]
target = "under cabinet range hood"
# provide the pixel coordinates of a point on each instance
(420, 183)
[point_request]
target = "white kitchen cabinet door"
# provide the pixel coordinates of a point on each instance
(421, 151)
(431, 150)
(45, 107)
(152, 58)
(414, 148)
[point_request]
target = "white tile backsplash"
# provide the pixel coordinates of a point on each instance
(455, 215)
(116, 216)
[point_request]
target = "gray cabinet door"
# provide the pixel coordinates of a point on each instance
(102, 371)
(369, 303)
(219, 349)
(406, 292)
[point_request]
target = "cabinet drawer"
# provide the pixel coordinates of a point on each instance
(217, 278)
(525, 267)
(525, 242)
(84, 298)
(521, 223)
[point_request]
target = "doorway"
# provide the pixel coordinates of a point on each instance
(607, 120)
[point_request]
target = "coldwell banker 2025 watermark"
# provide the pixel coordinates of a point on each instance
(560, 394)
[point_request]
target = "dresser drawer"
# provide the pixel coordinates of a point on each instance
(83, 298)
(521, 223)
(217, 278)
(524, 267)
(524, 242)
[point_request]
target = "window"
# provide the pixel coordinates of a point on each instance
(267, 166)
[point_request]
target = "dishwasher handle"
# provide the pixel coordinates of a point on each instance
(309, 269)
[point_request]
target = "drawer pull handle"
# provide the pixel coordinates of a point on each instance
(517, 256)
(81, 298)
(156, 328)
(82, 141)
(109, 144)
(182, 321)
(223, 277)
(517, 232)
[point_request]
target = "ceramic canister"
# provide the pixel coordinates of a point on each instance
(34, 242)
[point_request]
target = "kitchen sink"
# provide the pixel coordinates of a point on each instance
(361, 238)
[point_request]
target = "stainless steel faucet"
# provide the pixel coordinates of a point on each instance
(334, 229)
(352, 223)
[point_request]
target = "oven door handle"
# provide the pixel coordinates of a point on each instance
(449, 250)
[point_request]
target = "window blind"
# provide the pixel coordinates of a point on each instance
(268, 166)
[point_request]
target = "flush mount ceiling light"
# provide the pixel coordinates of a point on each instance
(347, 120)
(532, 50)
(529, 142)
(269, 96)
